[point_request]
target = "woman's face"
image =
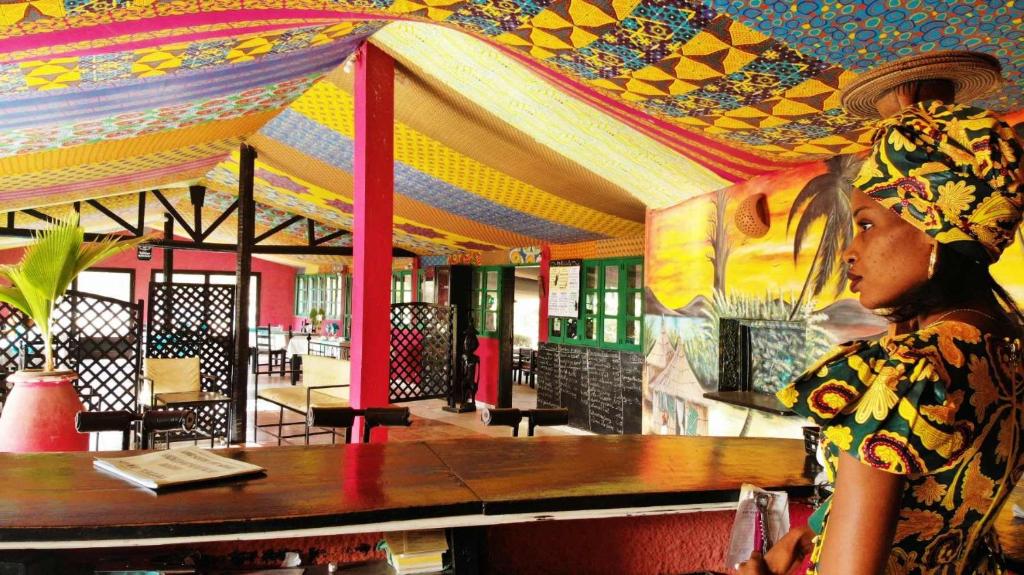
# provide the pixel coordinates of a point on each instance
(888, 256)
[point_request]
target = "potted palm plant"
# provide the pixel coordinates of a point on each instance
(39, 414)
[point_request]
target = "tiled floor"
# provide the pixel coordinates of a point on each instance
(430, 421)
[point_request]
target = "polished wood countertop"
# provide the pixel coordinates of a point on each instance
(60, 500)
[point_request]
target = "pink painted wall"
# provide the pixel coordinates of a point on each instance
(277, 281)
(488, 353)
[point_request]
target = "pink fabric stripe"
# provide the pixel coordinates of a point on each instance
(158, 42)
(159, 22)
(113, 180)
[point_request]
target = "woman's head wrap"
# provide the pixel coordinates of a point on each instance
(952, 171)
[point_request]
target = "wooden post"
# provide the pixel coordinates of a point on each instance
(416, 295)
(508, 293)
(243, 269)
(372, 241)
(168, 271)
(542, 279)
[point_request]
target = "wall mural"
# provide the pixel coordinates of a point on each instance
(765, 251)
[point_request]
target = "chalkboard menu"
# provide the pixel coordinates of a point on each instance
(604, 382)
(632, 366)
(549, 392)
(600, 387)
(572, 367)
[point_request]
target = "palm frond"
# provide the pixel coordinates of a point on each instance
(48, 264)
(94, 252)
(48, 267)
(13, 296)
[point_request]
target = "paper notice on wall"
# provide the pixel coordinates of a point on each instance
(564, 289)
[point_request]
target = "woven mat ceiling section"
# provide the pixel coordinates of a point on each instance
(519, 122)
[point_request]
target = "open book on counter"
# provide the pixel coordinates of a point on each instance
(175, 467)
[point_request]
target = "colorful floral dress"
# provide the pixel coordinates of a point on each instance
(943, 406)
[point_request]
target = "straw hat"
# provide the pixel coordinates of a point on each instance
(973, 74)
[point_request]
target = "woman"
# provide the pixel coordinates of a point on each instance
(923, 430)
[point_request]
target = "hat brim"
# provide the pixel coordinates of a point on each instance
(973, 74)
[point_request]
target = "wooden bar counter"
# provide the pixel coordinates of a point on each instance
(61, 501)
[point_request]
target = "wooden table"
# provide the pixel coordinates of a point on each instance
(60, 501)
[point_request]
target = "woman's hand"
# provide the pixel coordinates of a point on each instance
(783, 556)
(754, 566)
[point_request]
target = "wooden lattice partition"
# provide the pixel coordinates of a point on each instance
(422, 351)
(188, 320)
(98, 337)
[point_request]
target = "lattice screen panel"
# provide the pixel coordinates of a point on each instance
(422, 351)
(100, 338)
(16, 335)
(188, 320)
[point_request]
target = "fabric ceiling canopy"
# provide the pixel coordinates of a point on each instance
(518, 123)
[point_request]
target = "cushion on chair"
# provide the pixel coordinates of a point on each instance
(173, 375)
(316, 371)
(323, 370)
(294, 398)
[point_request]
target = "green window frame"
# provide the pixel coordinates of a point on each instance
(346, 318)
(401, 286)
(319, 291)
(611, 307)
(486, 300)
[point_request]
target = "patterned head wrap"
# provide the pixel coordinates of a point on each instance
(952, 171)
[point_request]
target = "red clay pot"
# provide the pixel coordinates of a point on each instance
(39, 414)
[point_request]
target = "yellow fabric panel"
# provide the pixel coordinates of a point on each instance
(331, 106)
(611, 248)
(225, 132)
(658, 176)
(581, 250)
(620, 247)
(432, 108)
(99, 190)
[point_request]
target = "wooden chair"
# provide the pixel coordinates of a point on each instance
(524, 364)
(325, 383)
(177, 383)
(276, 357)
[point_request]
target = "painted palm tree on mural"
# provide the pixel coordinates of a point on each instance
(825, 196)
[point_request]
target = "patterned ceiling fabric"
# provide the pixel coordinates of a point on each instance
(742, 99)
(320, 124)
(104, 122)
(430, 107)
(651, 172)
(297, 196)
(289, 160)
(859, 36)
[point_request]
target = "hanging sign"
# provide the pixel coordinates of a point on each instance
(564, 288)
(144, 252)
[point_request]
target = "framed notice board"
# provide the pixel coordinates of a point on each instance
(564, 288)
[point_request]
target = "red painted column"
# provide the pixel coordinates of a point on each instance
(373, 165)
(545, 271)
(416, 295)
